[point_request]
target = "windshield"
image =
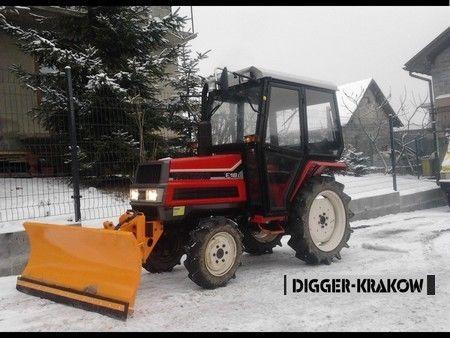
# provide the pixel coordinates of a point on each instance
(235, 115)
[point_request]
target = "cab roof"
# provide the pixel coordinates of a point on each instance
(258, 73)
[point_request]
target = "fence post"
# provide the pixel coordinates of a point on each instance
(416, 142)
(391, 132)
(73, 148)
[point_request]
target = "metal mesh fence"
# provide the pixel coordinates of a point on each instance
(35, 163)
(33, 172)
(108, 149)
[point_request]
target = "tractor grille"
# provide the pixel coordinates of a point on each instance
(148, 173)
(199, 193)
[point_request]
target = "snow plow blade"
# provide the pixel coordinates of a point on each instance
(94, 269)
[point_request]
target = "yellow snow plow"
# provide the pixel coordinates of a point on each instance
(95, 269)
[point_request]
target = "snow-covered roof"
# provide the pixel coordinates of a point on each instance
(443, 96)
(348, 97)
(258, 72)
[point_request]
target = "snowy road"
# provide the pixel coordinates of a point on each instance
(407, 245)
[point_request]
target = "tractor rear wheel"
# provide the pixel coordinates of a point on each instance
(319, 221)
(214, 252)
(259, 243)
(166, 254)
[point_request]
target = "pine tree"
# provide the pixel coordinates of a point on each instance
(184, 105)
(357, 163)
(118, 57)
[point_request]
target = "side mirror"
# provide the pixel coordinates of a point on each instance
(223, 81)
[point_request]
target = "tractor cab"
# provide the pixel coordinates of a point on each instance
(277, 122)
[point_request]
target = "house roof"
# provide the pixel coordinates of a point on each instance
(349, 96)
(258, 72)
(421, 62)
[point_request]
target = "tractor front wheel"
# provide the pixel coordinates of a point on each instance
(319, 221)
(214, 252)
(166, 254)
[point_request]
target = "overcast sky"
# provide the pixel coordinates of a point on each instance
(339, 44)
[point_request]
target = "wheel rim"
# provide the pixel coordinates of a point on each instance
(220, 253)
(327, 220)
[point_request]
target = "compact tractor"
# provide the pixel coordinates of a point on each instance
(268, 147)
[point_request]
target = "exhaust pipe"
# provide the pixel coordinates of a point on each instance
(204, 137)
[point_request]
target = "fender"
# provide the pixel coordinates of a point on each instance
(315, 168)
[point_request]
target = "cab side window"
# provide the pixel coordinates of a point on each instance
(283, 125)
(322, 123)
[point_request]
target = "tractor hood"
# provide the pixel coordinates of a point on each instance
(159, 172)
(170, 189)
(228, 163)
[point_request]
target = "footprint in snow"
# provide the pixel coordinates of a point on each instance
(381, 248)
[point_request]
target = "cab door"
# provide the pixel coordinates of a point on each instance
(283, 144)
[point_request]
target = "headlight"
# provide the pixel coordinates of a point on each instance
(151, 195)
(154, 195)
(134, 194)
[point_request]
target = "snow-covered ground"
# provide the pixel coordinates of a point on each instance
(379, 184)
(49, 199)
(406, 245)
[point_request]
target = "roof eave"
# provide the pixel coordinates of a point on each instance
(387, 106)
(421, 62)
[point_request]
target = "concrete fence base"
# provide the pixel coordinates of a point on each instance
(14, 251)
(392, 203)
(14, 247)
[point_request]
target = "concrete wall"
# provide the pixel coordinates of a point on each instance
(392, 203)
(14, 251)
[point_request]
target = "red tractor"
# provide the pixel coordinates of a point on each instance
(268, 145)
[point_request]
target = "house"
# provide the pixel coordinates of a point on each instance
(22, 139)
(364, 114)
(434, 61)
